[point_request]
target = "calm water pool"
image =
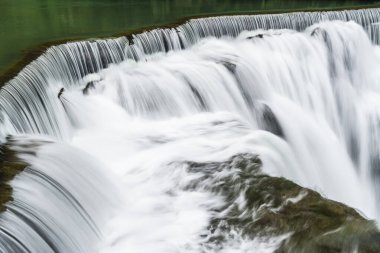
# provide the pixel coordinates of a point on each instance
(27, 23)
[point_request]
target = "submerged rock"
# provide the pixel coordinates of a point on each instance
(261, 206)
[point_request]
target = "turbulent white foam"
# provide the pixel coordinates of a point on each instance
(305, 102)
(239, 245)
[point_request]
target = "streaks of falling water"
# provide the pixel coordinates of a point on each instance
(57, 203)
(64, 65)
(301, 96)
(308, 101)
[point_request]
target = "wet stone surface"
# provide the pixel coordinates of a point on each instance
(273, 206)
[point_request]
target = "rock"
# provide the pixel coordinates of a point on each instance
(260, 36)
(276, 206)
(11, 165)
(60, 92)
(89, 86)
(269, 121)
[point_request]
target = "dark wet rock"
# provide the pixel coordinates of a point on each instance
(89, 86)
(259, 36)
(61, 92)
(275, 206)
(269, 121)
(11, 165)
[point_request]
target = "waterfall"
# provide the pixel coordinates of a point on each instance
(106, 129)
(50, 211)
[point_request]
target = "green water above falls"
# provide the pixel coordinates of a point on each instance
(24, 24)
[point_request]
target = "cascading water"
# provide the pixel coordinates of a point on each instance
(130, 155)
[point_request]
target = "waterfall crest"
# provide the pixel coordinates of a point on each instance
(64, 65)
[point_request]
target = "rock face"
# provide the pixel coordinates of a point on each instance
(260, 206)
(10, 166)
(270, 122)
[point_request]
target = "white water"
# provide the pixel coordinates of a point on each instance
(306, 102)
